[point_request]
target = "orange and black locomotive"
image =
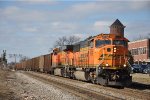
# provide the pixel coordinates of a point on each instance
(101, 59)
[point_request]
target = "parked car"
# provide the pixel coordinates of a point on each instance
(147, 69)
(144, 66)
(136, 68)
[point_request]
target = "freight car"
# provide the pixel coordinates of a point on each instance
(48, 63)
(18, 66)
(101, 59)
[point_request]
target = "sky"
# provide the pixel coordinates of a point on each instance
(31, 27)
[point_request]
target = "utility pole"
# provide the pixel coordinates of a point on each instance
(15, 56)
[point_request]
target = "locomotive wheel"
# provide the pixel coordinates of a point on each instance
(74, 78)
(106, 80)
(65, 74)
(91, 77)
(93, 81)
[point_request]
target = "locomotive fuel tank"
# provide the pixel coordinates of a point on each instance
(58, 71)
(81, 75)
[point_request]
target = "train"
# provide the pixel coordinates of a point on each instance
(101, 59)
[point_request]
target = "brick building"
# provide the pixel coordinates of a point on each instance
(140, 50)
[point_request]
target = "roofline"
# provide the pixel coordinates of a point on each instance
(138, 41)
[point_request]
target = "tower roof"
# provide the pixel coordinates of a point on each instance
(117, 23)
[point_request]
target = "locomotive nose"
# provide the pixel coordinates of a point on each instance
(119, 50)
(119, 56)
(113, 56)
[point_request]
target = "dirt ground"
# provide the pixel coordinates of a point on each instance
(141, 78)
(14, 85)
(5, 92)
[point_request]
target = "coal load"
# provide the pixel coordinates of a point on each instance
(76, 47)
(66, 48)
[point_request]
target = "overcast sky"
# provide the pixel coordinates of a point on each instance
(31, 27)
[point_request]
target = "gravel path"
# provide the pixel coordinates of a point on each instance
(27, 88)
(16, 85)
(127, 93)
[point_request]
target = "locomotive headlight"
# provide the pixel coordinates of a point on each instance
(114, 49)
(124, 65)
(106, 64)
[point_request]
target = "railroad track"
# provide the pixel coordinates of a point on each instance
(129, 93)
(86, 94)
(126, 92)
(100, 92)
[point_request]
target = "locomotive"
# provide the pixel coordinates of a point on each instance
(101, 59)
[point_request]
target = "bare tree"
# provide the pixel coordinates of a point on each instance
(140, 37)
(61, 41)
(65, 41)
(24, 58)
(72, 39)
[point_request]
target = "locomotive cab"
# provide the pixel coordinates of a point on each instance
(111, 58)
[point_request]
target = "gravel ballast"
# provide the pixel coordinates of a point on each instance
(21, 85)
(27, 88)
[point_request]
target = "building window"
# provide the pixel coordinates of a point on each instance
(144, 50)
(138, 51)
(134, 51)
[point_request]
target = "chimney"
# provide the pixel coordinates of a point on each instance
(117, 28)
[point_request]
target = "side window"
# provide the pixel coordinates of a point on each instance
(99, 43)
(91, 44)
(55, 53)
(102, 42)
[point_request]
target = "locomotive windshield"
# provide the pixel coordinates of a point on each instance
(102, 42)
(120, 42)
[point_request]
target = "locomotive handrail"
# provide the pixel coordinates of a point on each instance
(129, 64)
(100, 63)
(102, 59)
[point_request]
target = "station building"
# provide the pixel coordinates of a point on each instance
(140, 50)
